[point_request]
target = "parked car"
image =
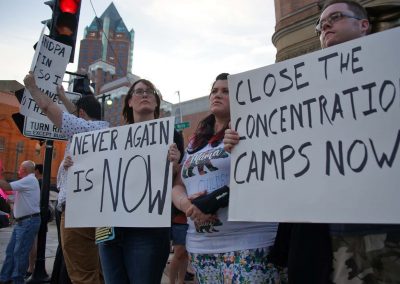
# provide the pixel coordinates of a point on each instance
(4, 219)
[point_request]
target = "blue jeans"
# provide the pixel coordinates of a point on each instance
(136, 255)
(17, 253)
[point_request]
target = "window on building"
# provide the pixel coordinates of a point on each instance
(2, 144)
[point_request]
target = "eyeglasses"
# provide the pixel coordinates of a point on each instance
(140, 92)
(331, 19)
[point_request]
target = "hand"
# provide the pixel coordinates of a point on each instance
(60, 90)
(196, 215)
(173, 153)
(29, 81)
(231, 138)
(212, 202)
(68, 162)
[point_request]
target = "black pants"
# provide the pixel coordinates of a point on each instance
(59, 274)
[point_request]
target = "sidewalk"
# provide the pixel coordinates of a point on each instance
(51, 248)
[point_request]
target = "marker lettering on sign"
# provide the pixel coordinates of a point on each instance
(337, 155)
(116, 185)
(364, 100)
(54, 47)
(285, 81)
(279, 161)
(100, 141)
(343, 63)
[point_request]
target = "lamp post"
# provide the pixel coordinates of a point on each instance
(103, 98)
(180, 106)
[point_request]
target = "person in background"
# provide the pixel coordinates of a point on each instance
(139, 255)
(27, 215)
(179, 261)
(78, 244)
(220, 251)
(4, 206)
(364, 253)
(339, 253)
(33, 252)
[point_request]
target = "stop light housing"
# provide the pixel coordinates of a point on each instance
(82, 86)
(64, 23)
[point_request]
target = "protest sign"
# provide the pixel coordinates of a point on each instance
(121, 176)
(51, 61)
(319, 136)
(46, 130)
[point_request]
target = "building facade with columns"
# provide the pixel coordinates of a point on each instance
(295, 23)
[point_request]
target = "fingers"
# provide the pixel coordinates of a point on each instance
(173, 153)
(198, 216)
(29, 79)
(68, 162)
(231, 138)
(60, 89)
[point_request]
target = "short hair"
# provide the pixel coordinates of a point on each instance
(353, 6)
(127, 112)
(29, 166)
(90, 105)
(39, 168)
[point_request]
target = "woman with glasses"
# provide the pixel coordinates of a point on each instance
(139, 255)
(220, 251)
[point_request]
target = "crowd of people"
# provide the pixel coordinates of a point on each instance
(218, 250)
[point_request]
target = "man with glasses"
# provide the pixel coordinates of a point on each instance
(336, 253)
(361, 253)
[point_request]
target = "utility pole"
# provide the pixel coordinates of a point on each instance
(40, 275)
(180, 105)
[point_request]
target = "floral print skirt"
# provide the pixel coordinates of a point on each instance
(243, 266)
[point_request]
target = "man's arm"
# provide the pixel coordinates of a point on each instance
(5, 185)
(50, 108)
(71, 108)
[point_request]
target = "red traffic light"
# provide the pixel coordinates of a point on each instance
(69, 6)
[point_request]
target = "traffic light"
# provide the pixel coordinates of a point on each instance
(82, 86)
(64, 23)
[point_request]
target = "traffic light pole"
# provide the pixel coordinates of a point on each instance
(40, 275)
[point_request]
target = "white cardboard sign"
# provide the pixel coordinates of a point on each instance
(320, 136)
(46, 130)
(50, 62)
(121, 176)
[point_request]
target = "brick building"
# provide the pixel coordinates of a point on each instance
(106, 56)
(14, 147)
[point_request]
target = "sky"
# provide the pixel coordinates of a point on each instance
(180, 45)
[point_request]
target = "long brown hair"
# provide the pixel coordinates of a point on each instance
(127, 112)
(205, 129)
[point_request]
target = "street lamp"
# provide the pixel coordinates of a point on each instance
(103, 98)
(180, 106)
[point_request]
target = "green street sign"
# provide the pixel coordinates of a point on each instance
(182, 125)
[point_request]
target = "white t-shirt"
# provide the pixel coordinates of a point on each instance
(209, 169)
(27, 196)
